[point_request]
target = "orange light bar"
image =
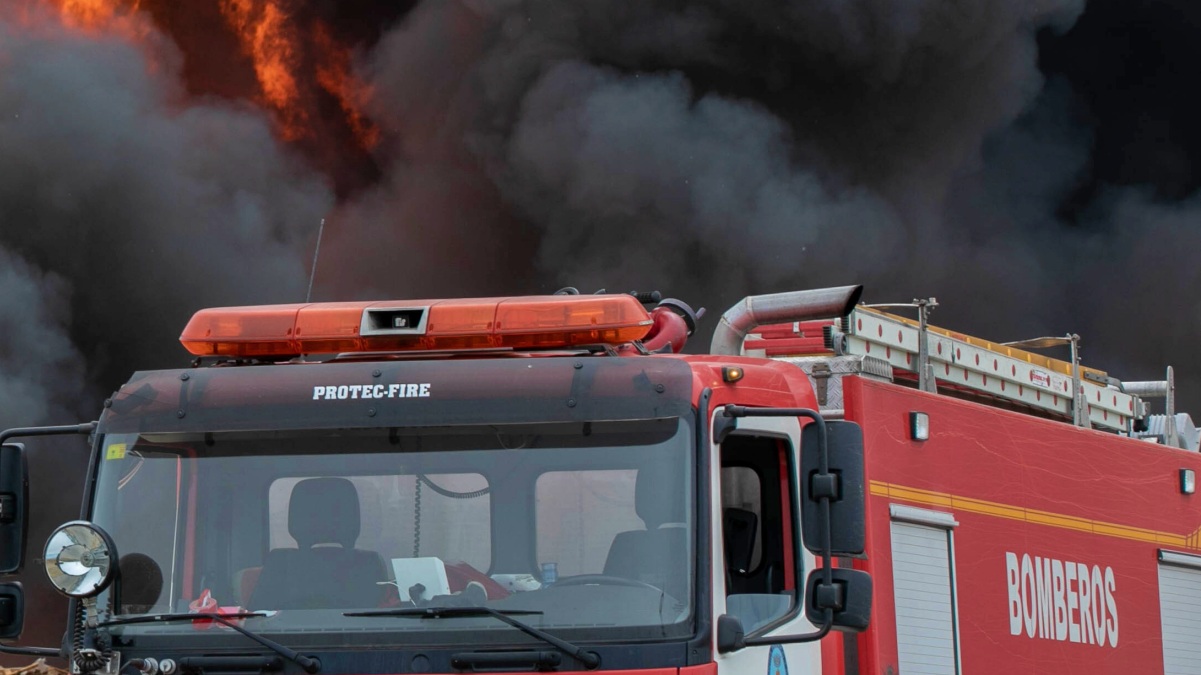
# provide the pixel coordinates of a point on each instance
(536, 322)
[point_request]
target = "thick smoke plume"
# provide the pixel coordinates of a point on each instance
(706, 149)
(715, 149)
(124, 208)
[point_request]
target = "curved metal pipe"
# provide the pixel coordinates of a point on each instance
(1149, 389)
(756, 310)
(668, 330)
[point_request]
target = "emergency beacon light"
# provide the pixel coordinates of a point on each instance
(536, 322)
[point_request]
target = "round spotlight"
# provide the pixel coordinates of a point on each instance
(80, 559)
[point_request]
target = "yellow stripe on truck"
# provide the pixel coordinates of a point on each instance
(1019, 513)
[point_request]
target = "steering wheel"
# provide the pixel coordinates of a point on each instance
(605, 580)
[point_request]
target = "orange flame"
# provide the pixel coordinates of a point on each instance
(271, 41)
(94, 15)
(303, 74)
(335, 76)
(87, 13)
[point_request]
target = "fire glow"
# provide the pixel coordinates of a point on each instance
(302, 73)
(121, 17)
(269, 38)
(93, 13)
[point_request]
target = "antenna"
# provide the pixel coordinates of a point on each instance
(316, 252)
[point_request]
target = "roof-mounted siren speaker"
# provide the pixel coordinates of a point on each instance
(756, 310)
(394, 321)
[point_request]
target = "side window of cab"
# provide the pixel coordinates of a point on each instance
(756, 529)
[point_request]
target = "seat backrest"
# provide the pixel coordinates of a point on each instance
(320, 578)
(325, 571)
(657, 555)
(739, 527)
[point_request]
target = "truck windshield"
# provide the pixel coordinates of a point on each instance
(584, 526)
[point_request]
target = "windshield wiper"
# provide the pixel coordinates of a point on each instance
(310, 664)
(589, 659)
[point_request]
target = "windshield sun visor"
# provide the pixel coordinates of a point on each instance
(399, 393)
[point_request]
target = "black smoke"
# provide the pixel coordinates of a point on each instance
(982, 152)
(124, 207)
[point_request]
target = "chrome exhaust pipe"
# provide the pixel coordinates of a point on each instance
(756, 310)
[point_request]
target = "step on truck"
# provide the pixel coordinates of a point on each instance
(549, 483)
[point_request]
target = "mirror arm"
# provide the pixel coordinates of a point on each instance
(818, 634)
(33, 651)
(21, 432)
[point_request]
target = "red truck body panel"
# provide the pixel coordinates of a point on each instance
(1022, 486)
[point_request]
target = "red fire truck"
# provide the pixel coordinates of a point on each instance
(549, 484)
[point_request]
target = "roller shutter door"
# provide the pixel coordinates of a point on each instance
(1180, 613)
(923, 581)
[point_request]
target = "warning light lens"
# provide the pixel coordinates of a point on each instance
(538, 322)
(919, 426)
(552, 321)
(241, 331)
(1188, 481)
(731, 374)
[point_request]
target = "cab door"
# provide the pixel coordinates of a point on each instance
(756, 544)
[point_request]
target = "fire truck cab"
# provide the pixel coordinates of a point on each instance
(548, 484)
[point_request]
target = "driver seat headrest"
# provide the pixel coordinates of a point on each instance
(659, 494)
(324, 511)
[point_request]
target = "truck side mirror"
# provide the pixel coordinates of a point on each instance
(843, 483)
(849, 596)
(730, 635)
(14, 495)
